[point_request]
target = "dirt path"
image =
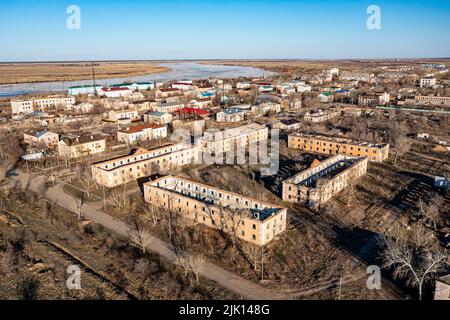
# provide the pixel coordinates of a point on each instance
(232, 282)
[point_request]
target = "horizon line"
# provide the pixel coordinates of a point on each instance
(227, 59)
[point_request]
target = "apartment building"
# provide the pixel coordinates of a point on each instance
(115, 116)
(183, 85)
(169, 107)
(167, 92)
(321, 116)
(85, 107)
(135, 134)
(142, 163)
(318, 184)
(40, 138)
(20, 107)
(231, 115)
(429, 100)
(158, 117)
(334, 145)
(326, 97)
(115, 92)
(427, 82)
(217, 141)
(71, 147)
(193, 125)
(248, 219)
(373, 99)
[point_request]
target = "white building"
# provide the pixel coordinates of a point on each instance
(231, 115)
(85, 107)
(88, 89)
(326, 97)
(169, 107)
(145, 132)
(20, 107)
(427, 82)
(183, 85)
(115, 92)
(115, 116)
(304, 88)
(40, 138)
(158, 118)
(243, 85)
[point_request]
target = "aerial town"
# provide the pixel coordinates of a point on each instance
(225, 159)
(166, 189)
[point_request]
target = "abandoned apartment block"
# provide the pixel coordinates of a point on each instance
(141, 163)
(332, 146)
(248, 219)
(318, 184)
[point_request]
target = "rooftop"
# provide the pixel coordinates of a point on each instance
(337, 139)
(81, 139)
(325, 170)
(258, 210)
(140, 128)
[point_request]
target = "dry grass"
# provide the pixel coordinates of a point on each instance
(47, 72)
(317, 65)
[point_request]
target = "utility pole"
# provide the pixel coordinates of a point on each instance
(104, 198)
(340, 287)
(93, 77)
(262, 263)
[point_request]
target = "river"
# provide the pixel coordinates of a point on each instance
(178, 71)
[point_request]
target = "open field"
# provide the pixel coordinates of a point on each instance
(48, 72)
(318, 65)
(39, 241)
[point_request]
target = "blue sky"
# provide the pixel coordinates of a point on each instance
(32, 30)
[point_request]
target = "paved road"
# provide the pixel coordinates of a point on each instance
(232, 282)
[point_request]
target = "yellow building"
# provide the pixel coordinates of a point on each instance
(81, 146)
(141, 163)
(231, 139)
(317, 185)
(332, 146)
(248, 219)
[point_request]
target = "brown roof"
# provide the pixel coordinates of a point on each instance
(76, 140)
(136, 129)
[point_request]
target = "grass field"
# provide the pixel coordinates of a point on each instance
(318, 65)
(48, 72)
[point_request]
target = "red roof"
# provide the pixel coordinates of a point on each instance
(197, 111)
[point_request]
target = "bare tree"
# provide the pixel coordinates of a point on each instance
(149, 213)
(189, 262)
(87, 180)
(119, 198)
(402, 146)
(139, 237)
(50, 210)
(414, 254)
(253, 253)
(80, 203)
(431, 211)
